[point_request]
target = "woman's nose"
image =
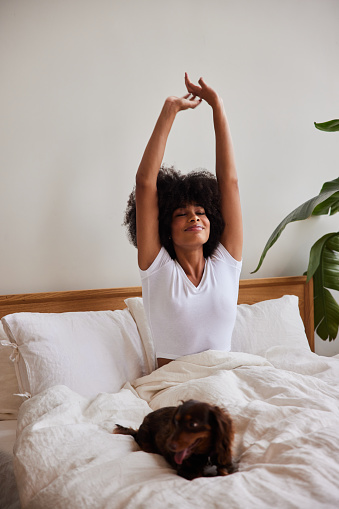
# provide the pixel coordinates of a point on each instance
(194, 217)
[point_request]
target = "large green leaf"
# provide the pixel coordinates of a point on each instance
(331, 205)
(324, 268)
(330, 126)
(326, 200)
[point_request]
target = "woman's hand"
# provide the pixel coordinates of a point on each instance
(203, 91)
(188, 101)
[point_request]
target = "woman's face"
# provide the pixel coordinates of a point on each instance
(190, 226)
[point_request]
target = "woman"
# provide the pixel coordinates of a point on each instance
(188, 231)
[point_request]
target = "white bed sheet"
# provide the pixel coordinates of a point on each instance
(286, 413)
(9, 496)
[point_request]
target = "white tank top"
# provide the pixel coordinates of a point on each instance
(185, 319)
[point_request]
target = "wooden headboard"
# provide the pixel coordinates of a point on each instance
(250, 292)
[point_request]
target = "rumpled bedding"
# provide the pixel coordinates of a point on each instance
(9, 496)
(285, 408)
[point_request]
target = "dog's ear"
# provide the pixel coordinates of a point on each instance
(223, 434)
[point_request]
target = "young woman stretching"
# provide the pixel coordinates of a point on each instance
(188, 232)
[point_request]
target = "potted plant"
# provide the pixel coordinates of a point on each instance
(323, 263)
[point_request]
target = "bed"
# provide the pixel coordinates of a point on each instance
(84, 360)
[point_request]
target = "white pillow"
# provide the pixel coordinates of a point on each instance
(90, 352)
(135, 306)
(9, 403)
(258, 326)
(268, 323)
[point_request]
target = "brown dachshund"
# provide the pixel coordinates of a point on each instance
(190, 437)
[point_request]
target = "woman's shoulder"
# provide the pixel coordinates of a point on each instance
(163, 258)
(221, 254)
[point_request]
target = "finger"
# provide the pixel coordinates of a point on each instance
(187, 80)
(194, 89)
(202, 82)
(194, 103)
(189, 87)
(188, 97)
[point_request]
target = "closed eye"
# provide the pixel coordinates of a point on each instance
(197, 212)
(200, 210)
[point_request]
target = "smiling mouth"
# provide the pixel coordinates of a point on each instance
(194, 228)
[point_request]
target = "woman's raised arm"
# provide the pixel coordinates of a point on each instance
(148, 240)
(232, 237)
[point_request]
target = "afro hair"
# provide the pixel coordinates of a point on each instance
(177, 190)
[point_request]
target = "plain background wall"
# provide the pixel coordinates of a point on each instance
(82, 83)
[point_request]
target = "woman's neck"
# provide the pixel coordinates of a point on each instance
(193, 264)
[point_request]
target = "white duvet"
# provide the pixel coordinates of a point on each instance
(285, 409)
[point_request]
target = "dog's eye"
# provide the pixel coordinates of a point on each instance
(193, 424)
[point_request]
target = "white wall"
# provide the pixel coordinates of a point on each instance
(82, 83)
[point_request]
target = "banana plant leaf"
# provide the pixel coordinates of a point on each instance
(330, 126)
(326, 202)
(324, 268)
(331, 205)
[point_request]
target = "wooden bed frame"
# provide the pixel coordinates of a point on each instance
(250, 292)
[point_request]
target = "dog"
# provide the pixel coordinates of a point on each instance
(191, 437)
